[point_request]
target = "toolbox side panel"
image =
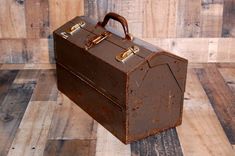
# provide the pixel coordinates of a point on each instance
(100, 108)
(154, 101)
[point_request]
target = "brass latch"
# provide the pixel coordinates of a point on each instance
(123, 56)
(73, 29)
(97, 39)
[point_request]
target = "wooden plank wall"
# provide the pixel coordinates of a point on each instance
(170, 18)
(26, 26)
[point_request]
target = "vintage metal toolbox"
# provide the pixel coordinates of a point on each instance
(130, 87)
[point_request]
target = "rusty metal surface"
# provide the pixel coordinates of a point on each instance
(134, 99)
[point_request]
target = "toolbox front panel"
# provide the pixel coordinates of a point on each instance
(106, 78)
(96, 105)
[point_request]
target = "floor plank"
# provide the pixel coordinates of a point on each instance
(46, 89)
(6, 79)
(25, 76)
(201, 131)
(71, 122)
(225, 65)
(220, 96)
(32, 133)
(229, 77)
(108, 145)
(11, 112)
(165, 144)
(74, 147)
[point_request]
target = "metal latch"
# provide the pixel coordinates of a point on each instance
(97, 39)
(123, 56)
(73, 29)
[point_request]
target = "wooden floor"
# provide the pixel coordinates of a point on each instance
(36, 119)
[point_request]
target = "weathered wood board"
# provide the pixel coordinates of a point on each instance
(11, 112)
(221, 97)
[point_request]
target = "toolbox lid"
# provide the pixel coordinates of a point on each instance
(110, 47)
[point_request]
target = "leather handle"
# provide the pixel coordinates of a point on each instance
(118, 18)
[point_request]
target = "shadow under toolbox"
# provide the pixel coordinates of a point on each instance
(130, 87)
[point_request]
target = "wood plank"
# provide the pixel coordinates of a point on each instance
(211, 18)
(12, 19)
(198, 49)
(39, 51)
(12, 66)
(71, 122)
(11, 113)
(12, 50)
(229, 77)
(6, 79)
(159, 18)
(26, 51)
(46, 89)
(201, 131)
(32, 133)
(190, 17)
(35, 66)
(225, 65)
(107, 144)
(221, 98)
(59, 13)
(229, 19)
(25, 76)
(40, 66)
(226, 50)
(184, 47)
(37, 18)
(73, 147)
(165, 143)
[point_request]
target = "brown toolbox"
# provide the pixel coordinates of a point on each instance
(130, 87)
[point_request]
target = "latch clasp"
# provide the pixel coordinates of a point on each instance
(123, 56)
(73, 29)
(97, 39)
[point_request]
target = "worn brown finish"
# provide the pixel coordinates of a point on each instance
(122, 96)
